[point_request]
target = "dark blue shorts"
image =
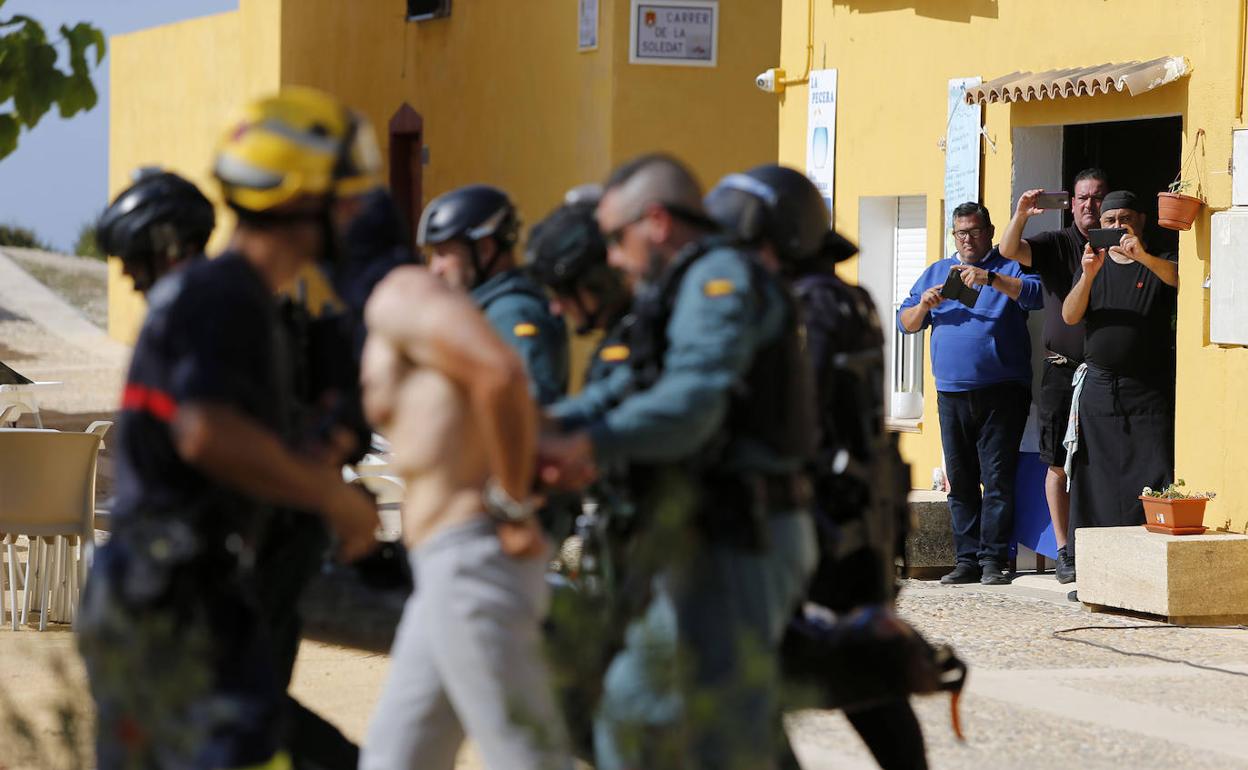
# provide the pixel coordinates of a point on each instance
(178, 660)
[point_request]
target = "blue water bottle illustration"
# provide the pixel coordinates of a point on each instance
(819, 146)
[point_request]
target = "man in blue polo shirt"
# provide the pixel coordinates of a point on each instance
(981, 358)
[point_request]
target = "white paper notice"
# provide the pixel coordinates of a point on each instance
(587, 24)
(821, 133)
(961, 151)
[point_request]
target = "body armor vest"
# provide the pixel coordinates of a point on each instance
(773, 402)
(861, 481)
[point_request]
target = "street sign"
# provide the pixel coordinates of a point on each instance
(680, 32)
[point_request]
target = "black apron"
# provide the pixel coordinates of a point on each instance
(1126, 442)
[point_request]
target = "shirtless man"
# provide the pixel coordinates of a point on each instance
(454, 401)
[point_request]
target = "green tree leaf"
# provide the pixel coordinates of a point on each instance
(30, 77)
(8, 134)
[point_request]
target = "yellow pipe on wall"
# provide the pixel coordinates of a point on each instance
(1240, 64)
(810, 47)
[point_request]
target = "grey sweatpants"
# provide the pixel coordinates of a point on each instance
(468, 658)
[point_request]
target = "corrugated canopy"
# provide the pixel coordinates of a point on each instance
(1133, 77)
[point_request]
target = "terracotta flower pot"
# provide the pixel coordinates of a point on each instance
(1184, 515)
(1177, 212)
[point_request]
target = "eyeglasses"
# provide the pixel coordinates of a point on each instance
(613, 237)
(966, 235)
(696, 218)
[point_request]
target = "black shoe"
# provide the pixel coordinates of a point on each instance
(1065, 567)
(1073, 596)
(963, 573)
(994, 575)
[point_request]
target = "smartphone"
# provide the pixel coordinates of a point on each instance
(1106, 237)
(1053, 200)
(955, 289)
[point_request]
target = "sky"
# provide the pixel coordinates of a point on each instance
(58, 177)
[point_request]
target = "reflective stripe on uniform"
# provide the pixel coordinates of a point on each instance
(157, 403)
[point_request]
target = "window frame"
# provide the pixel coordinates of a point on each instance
(442, 11)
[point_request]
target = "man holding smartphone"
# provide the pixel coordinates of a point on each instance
(981, 358)
(1125, 402)
(1055, 256)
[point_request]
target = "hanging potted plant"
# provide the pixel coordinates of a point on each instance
(1175, 209)
(1172, 511)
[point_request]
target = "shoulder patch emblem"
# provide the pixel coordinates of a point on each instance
(718, 287)
(613, 353)
(524, 330)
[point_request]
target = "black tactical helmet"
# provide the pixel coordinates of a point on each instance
(586, 195)
(566, 251)
(779, 205)
(565, 246)
(161, 213)
(469, 213)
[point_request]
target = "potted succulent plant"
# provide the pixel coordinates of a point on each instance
(1172, 511)
(1175, 210)
(1178, 211)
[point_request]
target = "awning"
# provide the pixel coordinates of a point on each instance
(1133, 77)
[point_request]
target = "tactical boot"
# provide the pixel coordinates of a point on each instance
(994, 575)
(1065, 566)
(963, 573)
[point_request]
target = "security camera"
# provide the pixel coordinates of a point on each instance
(771, 81)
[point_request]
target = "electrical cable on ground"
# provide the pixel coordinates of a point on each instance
(1058, 635)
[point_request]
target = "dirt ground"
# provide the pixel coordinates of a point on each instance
(43, 688)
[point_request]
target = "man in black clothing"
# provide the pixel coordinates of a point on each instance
(779, 213)
(1055, 256)
(1125, 403)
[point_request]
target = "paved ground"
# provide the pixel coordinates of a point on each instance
(1032, 701)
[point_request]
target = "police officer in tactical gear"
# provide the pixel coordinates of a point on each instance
(154, 225)
(470, 235)
(716, 435)
(569, 256)
(860, 481)
(176, 644)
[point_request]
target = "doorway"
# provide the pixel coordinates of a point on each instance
(1142, 156)
(407, 129)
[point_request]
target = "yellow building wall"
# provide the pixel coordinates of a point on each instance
(894, 64)
(505, 95)
(172, 88)
(713, 118)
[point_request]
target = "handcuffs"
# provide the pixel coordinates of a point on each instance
(503, 507)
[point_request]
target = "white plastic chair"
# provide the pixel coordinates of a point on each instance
(47, 493)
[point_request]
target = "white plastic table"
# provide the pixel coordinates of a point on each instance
(25, 398)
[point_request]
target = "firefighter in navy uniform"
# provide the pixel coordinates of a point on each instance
(176, 647)
(163, 220)
(781, 214)
(469, 235)
(716, 433)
